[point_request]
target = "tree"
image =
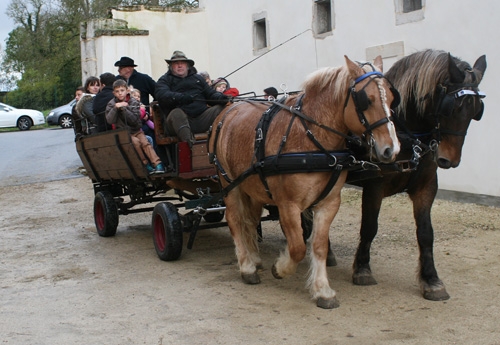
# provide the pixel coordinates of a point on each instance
(45, 46)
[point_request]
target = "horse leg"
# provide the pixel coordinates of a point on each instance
(306, 218)
(370, 209)
(295, 251)
(432, 287)
(243, 217)
(318, 283)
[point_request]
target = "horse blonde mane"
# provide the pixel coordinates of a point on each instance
(328, 78)
(417, 75)
(338, 80)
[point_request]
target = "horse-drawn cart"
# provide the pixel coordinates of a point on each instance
(123, 186)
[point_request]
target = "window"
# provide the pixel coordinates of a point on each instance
(411, 5)
(323, 19)
(260, 32)
(409, 11)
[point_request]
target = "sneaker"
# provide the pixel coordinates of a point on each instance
(150, 168)
(160, 169)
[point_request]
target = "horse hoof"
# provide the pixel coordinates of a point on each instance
(250, 278)
(327, 303)
(275, 273)
(363, 277)
(437, 293)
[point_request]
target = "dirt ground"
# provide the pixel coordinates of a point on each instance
(63, 284)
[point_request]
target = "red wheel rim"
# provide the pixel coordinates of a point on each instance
(99, 216)
(159, 233)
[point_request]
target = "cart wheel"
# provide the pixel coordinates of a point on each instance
(167, 231)
(214, 217)
(105, 214)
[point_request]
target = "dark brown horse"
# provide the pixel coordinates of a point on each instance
(280, 154)
(439, 98)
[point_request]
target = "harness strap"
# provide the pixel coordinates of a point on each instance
(292, 163)
(328, 188)
(260, 140)
(297, 112)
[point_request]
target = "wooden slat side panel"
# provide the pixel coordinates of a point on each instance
(107, 159)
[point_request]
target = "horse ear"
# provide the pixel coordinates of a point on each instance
(378, 62)
(480, 66)
(456, 75)
(354, 68)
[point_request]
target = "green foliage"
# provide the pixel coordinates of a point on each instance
(44, 48)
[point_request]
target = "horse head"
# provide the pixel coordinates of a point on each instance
(439, 99)
(367, 109)
(458, 102)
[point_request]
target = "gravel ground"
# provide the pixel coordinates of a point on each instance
(63, 284)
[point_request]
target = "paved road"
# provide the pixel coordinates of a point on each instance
(37, 156)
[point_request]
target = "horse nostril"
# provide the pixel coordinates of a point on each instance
(444, 163)
(388, 153)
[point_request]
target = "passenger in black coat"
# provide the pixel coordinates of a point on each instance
(140, 81)
(101, 101)
(189, 103)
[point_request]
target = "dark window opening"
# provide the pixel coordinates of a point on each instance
(260, 34)
(323, 16)
(411, 5)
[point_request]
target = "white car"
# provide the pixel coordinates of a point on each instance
(20, 118)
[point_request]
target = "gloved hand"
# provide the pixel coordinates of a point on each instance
(224, 100)
(186, 99)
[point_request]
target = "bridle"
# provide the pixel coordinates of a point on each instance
(362, 102)
(446, 105)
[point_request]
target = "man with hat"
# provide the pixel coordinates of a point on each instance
(189, 103)
(140, 81)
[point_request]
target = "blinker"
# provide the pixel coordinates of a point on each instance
(361, 100)
(479, 114)
(448, 102)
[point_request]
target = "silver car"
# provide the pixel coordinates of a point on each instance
(62, 115)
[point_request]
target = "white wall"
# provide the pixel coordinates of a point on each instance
(219, 38)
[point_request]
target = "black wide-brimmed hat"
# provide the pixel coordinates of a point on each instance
(179, 56)
(125, 61)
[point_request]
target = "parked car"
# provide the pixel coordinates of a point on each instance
(20, 118)
(62, 115)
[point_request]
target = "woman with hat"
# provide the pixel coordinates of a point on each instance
(190, 104)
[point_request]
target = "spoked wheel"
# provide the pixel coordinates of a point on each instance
(167, 231)
(105, 214)
(24, 123)
(66, 121)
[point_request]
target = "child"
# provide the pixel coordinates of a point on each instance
(136, 93)
(124, 112)
(148, 126)
(222, 85)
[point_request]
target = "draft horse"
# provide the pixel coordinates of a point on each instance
(439, 98)
(299, 162)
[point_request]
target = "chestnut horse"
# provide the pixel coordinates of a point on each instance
(439, 98)
(280, 167)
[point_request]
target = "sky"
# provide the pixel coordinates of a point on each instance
(6, 23)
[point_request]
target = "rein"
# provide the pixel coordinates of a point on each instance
(324, 160)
